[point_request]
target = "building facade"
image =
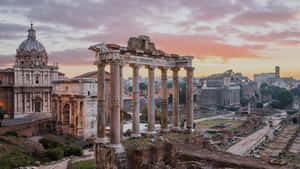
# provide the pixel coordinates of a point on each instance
(27, 85)
(75, 105)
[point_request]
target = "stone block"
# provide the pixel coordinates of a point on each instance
(108, 157)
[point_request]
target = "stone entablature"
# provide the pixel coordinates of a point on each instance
(139, 54)
(74, 87)
(35, 77)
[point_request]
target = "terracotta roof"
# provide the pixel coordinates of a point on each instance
(92, 75)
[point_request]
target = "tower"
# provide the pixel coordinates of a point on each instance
(277, 72)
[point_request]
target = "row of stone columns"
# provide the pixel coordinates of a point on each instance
(116, 101)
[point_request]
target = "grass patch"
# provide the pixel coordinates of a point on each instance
(293, 159)
(88, 164)
(228, 123)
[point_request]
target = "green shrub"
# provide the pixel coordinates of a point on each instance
(72, 150)
(49, 144)
(15, 160)
(10, 133)
(55, 153)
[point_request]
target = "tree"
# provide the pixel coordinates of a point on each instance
(130, 88)
(244, 102)
(285, 98)
(142, 86)
(145, 113)
(170, 85)
(296, 91)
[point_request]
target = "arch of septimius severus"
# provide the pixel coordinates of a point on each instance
(140, 52)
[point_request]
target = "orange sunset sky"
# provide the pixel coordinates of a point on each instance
(248, 36)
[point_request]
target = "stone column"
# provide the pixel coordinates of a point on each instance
(189, 97)
(101, 119)
(164, 99)
(136, 101)
(70, 117)
(175, 99)
(121, 101)
(115, 104)
(79, 126)
(151, 104)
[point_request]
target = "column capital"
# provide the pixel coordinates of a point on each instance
(102, 64)
(150, 67)
(115, 61)
(163, 68)
(189, 68)
(175, 69)
(133, 65)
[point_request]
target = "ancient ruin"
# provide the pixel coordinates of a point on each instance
(139, 52)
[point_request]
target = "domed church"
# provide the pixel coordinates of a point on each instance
(26, 88)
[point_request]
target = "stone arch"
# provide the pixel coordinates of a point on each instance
(66, 114)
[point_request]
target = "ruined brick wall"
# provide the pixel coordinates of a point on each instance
(160, 155)
(30, 129)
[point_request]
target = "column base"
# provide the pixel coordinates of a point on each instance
(104, 140)
(110, 156)
(133, 135)
(118, 148)
(164, 130)
(189, 130)
(150, 133)
(176, 129)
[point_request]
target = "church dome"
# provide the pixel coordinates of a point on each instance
(31, 52)
(31, 44)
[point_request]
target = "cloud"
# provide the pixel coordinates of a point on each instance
(6, 60)
(262, 15)
(77, 56)
(285, 38)
(204, 46)
(202, 27)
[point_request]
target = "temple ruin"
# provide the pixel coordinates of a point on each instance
(139, 52)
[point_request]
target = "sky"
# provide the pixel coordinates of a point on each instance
(248, 36)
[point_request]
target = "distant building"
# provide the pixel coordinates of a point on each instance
(274, 79)
(264, 78)
(219, 90)
(26, 88)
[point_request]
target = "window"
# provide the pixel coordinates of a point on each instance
(37, 80)
(27, 77)
(88, 93)
(92, 124)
